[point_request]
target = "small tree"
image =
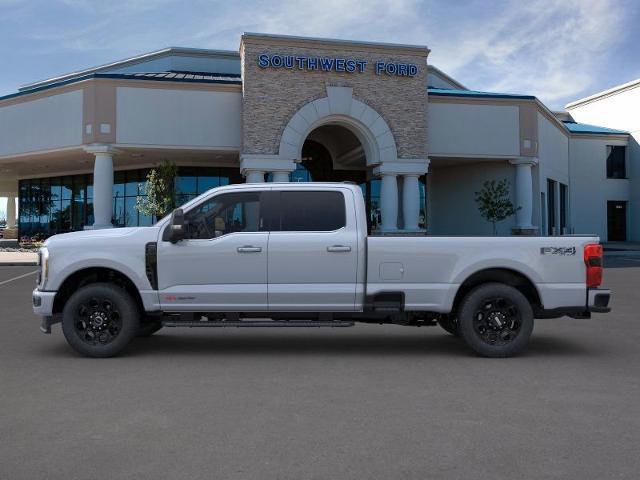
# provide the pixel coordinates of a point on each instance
(160, 192)
(494, 203)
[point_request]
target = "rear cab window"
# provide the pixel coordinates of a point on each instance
(312, 211)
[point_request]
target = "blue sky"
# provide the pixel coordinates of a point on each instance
(558, 50)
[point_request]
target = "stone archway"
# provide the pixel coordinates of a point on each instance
(340, 108)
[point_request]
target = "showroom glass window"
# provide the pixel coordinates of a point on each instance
(54, 205)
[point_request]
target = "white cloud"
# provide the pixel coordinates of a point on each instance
(554, 49)
(548, 48)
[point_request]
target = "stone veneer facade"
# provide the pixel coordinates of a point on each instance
(272, 96)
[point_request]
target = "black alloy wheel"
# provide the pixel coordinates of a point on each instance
(100, 319)
(97, 321)
(495, 320)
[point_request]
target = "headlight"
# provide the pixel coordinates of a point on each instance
(43, 260)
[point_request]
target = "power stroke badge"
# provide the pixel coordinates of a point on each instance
(557, 250)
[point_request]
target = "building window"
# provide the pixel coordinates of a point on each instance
(616, 161)
(61, 204)
(551, 207)
(543, 215)
(564, 207)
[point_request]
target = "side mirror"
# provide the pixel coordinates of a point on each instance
(176, 230)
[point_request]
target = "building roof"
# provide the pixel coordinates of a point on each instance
(177, 76)
(604, 93)
(171, 76)
(435, 70)
(575, 127)
(145, 57)
(443, 92)
(570, 125)
(337, 41)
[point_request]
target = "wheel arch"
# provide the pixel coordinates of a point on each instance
(507, 276)
(89, 275)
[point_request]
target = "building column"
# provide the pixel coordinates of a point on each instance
(254, 176)
(11, 212)
(524, 195)
(102, 185)
(410, 171)
(253, 167)
(280, 176)
(389, 202)
(11, 232)
(410, 201)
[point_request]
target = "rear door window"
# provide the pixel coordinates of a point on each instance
(309, 211)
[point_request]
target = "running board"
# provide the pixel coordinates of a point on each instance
(257, 323)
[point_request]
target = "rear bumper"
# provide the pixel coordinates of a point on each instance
(598, 300)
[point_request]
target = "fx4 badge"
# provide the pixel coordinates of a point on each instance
(557, 250)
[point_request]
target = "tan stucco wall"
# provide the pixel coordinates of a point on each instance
(272, 96)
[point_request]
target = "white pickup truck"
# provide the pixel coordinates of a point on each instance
(298, 255)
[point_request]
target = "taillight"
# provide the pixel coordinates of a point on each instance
(593, 261)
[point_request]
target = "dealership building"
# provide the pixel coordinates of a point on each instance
(75, 149)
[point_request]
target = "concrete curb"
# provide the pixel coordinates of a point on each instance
(622, 253)
(18, 264)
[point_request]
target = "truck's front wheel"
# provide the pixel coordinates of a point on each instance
(449, 323)
(100, 319)
(495, 320)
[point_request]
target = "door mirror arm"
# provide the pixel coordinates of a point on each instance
(176, 229)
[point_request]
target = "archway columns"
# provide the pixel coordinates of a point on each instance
(254, 166)
(11, 232)
(524, 195)
(411, 202)
(102, 184)
(11, 212)
(389, 202)
(409, 170)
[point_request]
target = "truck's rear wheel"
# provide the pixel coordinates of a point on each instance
(495, 320)
(100, 319)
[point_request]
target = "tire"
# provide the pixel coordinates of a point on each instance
(100, 319)
(495, 320)
(449, 323)
(148, 328)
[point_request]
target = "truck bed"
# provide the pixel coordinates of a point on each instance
(429, 269)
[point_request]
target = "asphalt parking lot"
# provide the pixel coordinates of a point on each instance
(369, 402)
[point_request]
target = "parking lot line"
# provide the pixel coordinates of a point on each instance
(18, 277)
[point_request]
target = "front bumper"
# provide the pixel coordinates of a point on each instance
(598, 300)
(42, 302)
(43, 306)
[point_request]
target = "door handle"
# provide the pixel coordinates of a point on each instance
(249, 249)
(339, 248)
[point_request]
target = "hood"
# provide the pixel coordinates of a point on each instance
(101, 236)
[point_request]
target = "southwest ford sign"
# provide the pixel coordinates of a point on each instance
(331, 64)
